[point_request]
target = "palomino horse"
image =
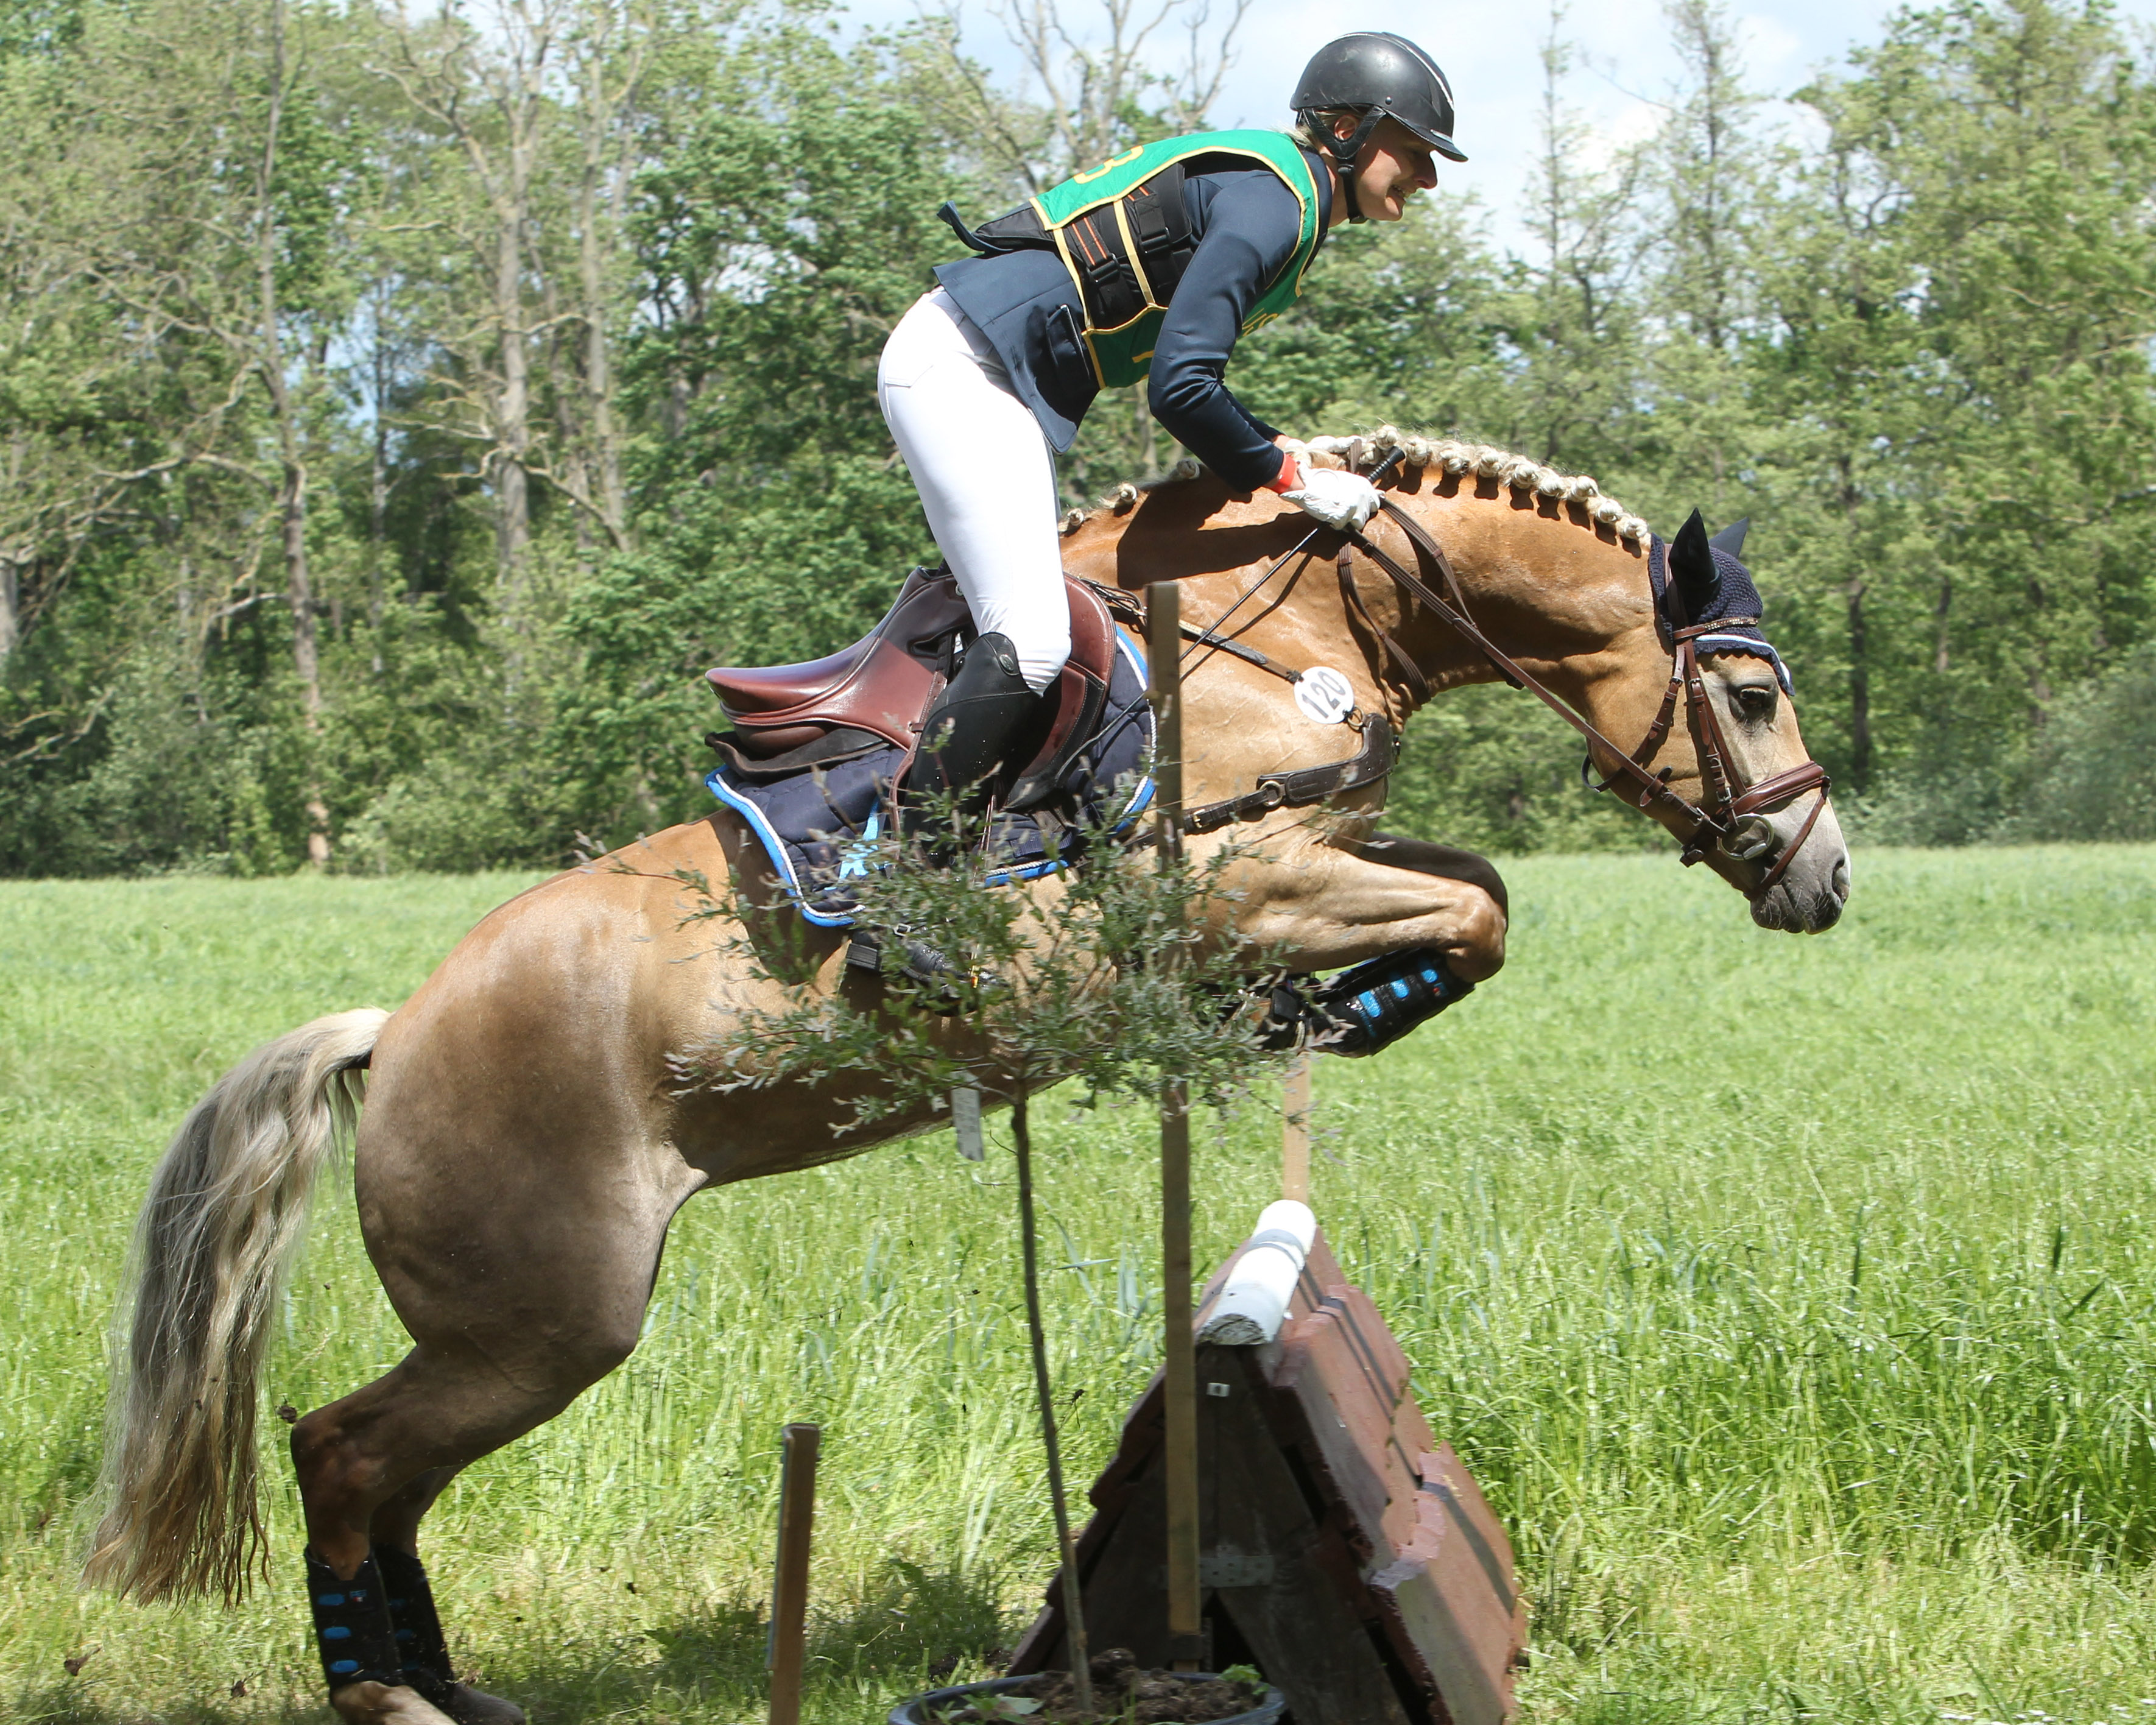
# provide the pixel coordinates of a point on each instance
(525, 1143)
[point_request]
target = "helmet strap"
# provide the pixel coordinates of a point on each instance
(1345, 153)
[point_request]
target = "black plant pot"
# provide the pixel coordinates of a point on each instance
(916, 1711)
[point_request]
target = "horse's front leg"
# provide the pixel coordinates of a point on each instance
(1322, 902)
(1418, 924)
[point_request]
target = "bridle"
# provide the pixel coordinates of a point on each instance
(1724, 809)
(1729, 808)
(1725, 805)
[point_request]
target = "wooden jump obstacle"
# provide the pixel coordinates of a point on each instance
(1344, 1550)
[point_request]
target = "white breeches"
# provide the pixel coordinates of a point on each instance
(986, 477)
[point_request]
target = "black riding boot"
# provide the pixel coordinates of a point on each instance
(963, 736)
(962, 740)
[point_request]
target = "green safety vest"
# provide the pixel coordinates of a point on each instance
(1121, 232)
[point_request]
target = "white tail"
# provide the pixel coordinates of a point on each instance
(226, 1211)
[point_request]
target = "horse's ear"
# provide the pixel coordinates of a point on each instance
(1730, 538)
(1691, 563)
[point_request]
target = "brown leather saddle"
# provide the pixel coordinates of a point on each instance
(789, 718)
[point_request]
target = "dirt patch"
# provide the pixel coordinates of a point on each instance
(1122, 1694)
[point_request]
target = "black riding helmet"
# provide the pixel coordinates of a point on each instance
(1382, 76)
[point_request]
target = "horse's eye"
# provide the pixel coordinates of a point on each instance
(1755, 700)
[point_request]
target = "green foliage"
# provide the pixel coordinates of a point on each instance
(1493, 778)
(780, 240)
(1916, 356)
(2093, 771)
(1111, 975)
(1956, 344)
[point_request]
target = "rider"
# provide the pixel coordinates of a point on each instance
(1148, 266)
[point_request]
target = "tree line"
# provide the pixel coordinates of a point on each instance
(398, 412)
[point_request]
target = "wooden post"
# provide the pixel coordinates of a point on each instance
(789, 1592)
(1074, 1593)
(1185, 1633)
(1164, 652)
(1295, 1132)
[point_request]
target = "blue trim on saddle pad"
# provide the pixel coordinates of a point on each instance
(782, 854)
(817, 825)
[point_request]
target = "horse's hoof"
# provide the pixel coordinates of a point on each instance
(467, 1706)
(390, 1704)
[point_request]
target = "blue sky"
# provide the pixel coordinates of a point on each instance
(1489, 50)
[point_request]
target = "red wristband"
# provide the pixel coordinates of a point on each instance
(1290, 476)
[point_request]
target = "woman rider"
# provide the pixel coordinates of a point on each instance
(1149, 266)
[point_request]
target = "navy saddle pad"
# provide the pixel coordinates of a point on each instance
(815, 825)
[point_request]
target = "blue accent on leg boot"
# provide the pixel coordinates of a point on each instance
(353, 1631)
(422, 1650)
(1374, 1004)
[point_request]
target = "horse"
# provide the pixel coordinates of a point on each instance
(524, 1144)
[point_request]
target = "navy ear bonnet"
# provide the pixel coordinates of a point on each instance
(1735, 596)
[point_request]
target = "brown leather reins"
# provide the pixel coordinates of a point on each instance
(1726, 807)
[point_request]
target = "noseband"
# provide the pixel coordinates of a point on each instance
(1725, 806)
(1728, 807)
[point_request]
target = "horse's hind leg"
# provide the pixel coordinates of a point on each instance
(522, 1281)
(369, 1466)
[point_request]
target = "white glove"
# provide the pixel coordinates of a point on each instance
(1333, 496)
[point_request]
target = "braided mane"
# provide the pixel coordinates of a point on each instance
(1361, 453)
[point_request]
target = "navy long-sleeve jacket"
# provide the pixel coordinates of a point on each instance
(1247, 222)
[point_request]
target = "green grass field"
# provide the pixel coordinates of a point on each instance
(1792, 1298)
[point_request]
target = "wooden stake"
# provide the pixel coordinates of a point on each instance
(789, 1592)
(1295, 1132)
(1185, 1634)
(1066, 1546)
(1164, 651)
(1185, 1637)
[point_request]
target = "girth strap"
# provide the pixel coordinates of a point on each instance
(1309, 784)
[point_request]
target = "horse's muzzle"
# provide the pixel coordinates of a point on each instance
(1806, 900)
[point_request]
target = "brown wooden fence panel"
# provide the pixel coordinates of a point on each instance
(1346, 1552)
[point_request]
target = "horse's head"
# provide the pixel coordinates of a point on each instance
(1741, 789)
(1687, 707)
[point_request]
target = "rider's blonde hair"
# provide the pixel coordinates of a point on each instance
(1316, 129)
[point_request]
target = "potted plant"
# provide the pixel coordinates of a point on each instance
(1121, 1692)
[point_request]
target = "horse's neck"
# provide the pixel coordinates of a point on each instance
(1549, 588)
(1540, 581)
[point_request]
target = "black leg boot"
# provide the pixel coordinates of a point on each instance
(962, 740)
(1374, 1004)
(424, 1650)
(353, 1631)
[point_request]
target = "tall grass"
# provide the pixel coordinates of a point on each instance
(1792, 1297)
